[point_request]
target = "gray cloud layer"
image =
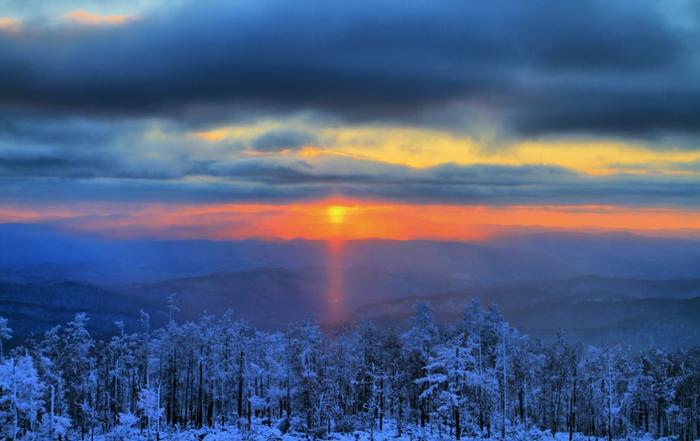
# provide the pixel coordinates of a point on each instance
(544, 67)
(269, 179)
(74, 101)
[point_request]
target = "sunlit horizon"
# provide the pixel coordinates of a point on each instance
(350, 219)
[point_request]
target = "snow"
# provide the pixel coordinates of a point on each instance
(266, 433)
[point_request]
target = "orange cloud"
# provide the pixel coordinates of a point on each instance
(10, 25)
(93, 19)
(352, 219)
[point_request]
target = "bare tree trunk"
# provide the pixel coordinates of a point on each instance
(609, 399)
(52, 415)
(381, 404)
(458, 429)
(572, 410)
(240, 385)
(505, 387)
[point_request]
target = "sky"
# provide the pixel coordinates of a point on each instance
(396, 119)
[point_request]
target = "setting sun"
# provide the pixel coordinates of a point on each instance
(336, 214)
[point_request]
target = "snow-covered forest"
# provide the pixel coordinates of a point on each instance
(219, 378)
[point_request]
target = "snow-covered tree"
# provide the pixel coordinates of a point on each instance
(5, 334)
(149, 405)
(125, 429)
(21, 397)
(451, 376)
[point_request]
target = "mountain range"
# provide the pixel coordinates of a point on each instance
(597, 288)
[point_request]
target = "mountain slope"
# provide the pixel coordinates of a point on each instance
(32, 308)
(597, 310)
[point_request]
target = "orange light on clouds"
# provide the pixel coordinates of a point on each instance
(10, 25)
(93, 19)
(349, 219)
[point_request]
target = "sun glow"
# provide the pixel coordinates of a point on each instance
(348, 219)
(336, 214)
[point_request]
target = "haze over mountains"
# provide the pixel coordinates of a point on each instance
(618, 288)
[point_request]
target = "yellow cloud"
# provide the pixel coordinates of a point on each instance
(601, 157)
(428, 148)
(419, 148)
(237, 132)
(405, 146)
(93, 19)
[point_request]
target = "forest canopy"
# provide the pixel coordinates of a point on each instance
(478, 378)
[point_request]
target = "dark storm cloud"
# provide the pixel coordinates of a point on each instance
(61, 147)
(28, 130)
(50, 165)
(108, 112)
(618, 107)
(81, 165)
(539, 67)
